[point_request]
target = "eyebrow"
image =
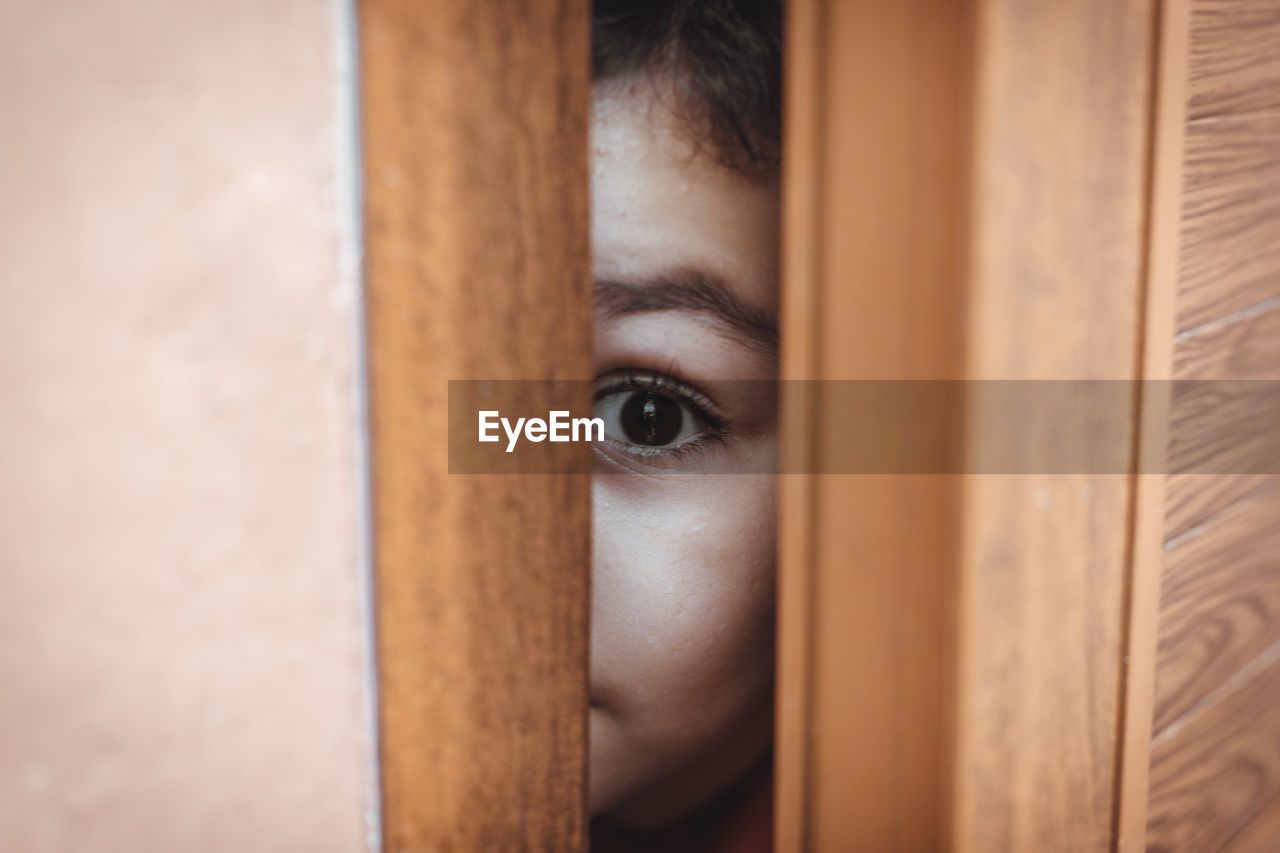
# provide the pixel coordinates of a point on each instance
(691, 291)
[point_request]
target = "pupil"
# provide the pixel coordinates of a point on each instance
(651, 419)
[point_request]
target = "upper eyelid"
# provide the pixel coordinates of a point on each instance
(686, 391)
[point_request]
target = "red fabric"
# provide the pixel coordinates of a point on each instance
(741, 824)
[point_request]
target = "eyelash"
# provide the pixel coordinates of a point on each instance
(718, 425)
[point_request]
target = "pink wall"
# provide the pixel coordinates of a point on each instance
(183, 653)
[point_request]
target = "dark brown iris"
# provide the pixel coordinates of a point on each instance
(651, 419)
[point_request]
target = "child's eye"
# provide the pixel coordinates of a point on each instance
(652, 414)
(646, 419)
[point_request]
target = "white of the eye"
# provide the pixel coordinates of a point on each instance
(609, 407)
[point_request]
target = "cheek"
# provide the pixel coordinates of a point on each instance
(682, 599)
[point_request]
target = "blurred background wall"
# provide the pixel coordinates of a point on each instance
(184, 654)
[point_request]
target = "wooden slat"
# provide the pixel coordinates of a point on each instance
(1231, 218)
(799, 322)
(1262, 835)
(1235, 57)
(875, 110)
(1220, 606)
(1213, 774)
(475, 141)
(1159, 313)
(1055, 291)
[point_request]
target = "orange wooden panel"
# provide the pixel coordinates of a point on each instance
(875, 114)
(1235, 57)
(1219, 606)
(1231, 218)
(1055, 290)
(799, 309)
(1213, 773)
(475, 140)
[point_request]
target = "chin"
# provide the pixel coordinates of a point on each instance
(618, 774)
(604, 788)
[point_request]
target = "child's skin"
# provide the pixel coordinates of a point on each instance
(683, 577)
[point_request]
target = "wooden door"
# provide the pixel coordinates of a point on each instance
(989, 191)
(978, 191)
(475, 128)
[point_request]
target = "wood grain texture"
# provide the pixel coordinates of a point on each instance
(1246, 347)
(1215, 772)
(475, 141)
(1064, 100)
(1235, 348)
(1193, 501)
(1231, 218)
(872, 242)
(1215, 760)
(1235, 57)
(1262, 835)
(1220, 605)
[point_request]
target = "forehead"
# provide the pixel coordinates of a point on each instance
(659, 203)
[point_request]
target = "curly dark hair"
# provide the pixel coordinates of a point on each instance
(722, 60)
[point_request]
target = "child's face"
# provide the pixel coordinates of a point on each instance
(686, 266)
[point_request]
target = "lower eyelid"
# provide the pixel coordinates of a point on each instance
(692, 446)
